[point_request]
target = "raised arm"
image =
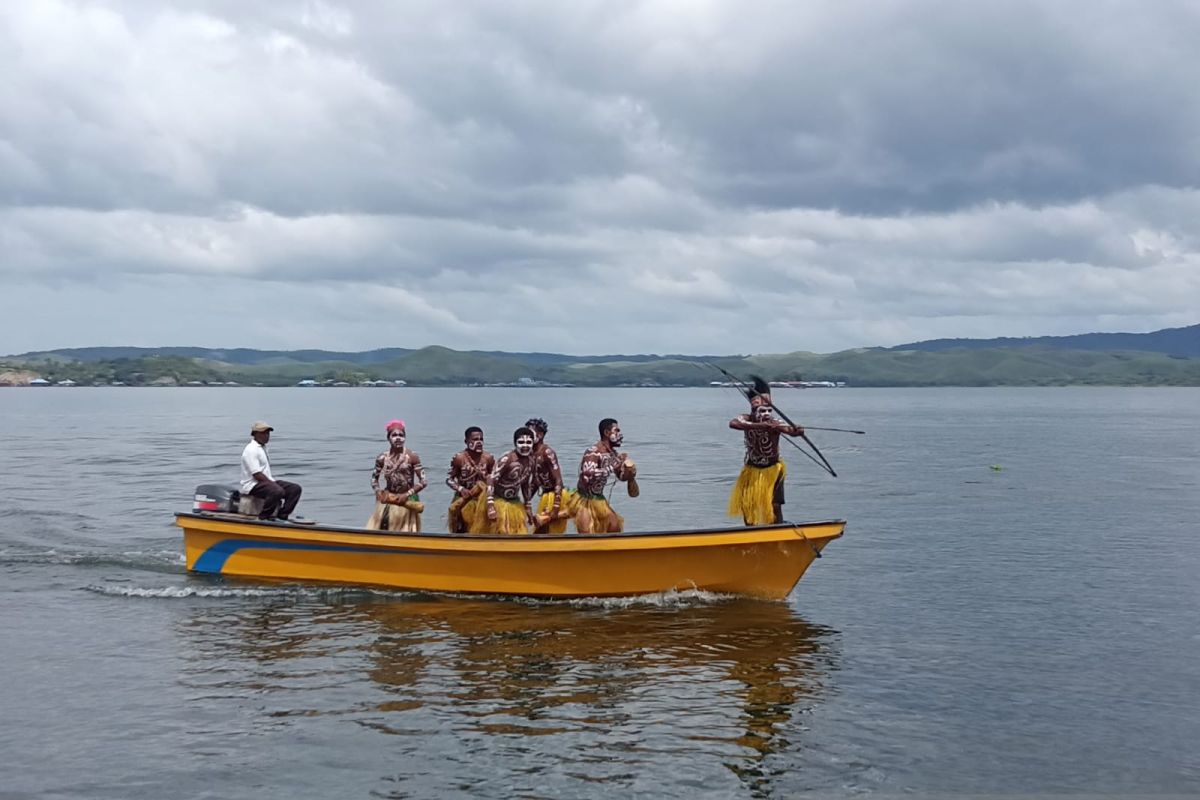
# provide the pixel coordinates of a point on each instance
(744, 423)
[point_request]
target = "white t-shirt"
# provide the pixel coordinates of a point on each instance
(254, 459)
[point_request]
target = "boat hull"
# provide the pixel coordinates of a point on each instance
(764, 562)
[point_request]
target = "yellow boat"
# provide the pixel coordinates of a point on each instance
(764, 562)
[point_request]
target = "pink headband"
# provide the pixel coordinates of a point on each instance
(396, 423)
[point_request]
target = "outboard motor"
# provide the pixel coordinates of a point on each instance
(216, 497)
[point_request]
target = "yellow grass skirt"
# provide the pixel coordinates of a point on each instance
(753, 497)
(595, 515)
(388, 517)
(567, 507)
(510, 518)
(472, 511)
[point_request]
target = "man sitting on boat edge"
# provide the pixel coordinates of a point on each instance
(279, 497)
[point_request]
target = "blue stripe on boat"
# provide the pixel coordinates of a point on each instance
(213, 559)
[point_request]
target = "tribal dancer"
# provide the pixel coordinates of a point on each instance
(600, 460)
(467, 478)
(556, 505)
(758, 494)
(397, 505)
(510, 487)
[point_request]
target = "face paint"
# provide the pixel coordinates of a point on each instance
(762, 413)
(614, 436)
(396, 437)
(524, 445)
(475, 443)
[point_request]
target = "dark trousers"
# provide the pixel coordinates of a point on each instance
(277, 502)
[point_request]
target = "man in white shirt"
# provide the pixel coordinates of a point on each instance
(279, 497)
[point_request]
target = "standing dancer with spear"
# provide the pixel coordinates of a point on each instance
(758, 493)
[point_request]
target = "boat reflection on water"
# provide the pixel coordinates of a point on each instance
(605, 686)
(725, 677)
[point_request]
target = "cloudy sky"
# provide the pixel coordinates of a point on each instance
(595, 177)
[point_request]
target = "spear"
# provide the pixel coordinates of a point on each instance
(762, 387)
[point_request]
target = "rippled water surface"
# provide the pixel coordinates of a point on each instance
(1028, 629)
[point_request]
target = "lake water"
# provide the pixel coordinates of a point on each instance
(1027, 630)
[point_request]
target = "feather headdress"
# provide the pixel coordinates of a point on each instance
(760, 389)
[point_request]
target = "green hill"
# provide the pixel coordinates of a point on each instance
(440, 366)
(1168, 341)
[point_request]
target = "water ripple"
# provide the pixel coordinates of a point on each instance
(969, 617)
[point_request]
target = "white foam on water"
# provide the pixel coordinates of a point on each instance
(168, 556)
(131, 558)
(39, 557)
(671, 598)
(176, 592)
(292, 592)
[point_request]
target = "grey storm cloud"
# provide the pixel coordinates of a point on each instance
(654, 176)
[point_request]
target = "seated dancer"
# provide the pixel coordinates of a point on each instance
(467, 478)
(556, 505)
(510, 487)
(758, 494)
(397, 506)
(600, 460)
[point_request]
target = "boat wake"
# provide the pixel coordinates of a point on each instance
(298, 593)
(671, 599)
(153, 560)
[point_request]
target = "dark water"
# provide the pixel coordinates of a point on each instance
(1031, 630)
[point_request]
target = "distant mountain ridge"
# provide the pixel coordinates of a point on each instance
(249, 357)
(236, 355)
(1178, 342)
(1163, 358)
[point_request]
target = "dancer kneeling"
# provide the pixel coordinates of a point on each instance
(510, 487)
(397, 480)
